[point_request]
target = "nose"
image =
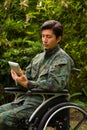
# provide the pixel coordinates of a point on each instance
(44, 39)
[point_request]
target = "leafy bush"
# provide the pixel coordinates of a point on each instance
(20, 37)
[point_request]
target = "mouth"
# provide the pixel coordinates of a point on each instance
(45, 44)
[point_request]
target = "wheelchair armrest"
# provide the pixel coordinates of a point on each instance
(38, 90)
(34, 90)
(14, 89)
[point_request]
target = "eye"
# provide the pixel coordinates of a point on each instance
(49, 36)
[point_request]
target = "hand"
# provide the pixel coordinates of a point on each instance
(22, 79)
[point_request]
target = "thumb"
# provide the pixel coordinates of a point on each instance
(21, 71)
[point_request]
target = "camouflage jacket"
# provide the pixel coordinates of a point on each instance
(50, 70)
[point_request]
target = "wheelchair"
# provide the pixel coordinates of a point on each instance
(55, 113)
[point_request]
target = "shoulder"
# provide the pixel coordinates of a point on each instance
(63, 58)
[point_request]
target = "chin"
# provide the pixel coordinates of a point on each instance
(46, 48)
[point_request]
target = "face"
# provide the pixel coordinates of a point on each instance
(49, 39)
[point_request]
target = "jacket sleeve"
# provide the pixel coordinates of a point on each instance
(55, 78)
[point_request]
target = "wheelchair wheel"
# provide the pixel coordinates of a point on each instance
(64, 116)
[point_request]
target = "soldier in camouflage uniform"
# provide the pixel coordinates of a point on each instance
(48, 70)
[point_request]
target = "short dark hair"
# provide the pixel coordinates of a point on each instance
(54, 25)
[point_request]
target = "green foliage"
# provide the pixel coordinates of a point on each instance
(20, 38)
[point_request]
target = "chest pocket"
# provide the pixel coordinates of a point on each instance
(38, 71)
(43, 72)
(57, 64)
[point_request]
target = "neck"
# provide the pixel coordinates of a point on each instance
(49, 52)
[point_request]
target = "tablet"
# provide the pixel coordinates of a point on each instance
(14, 66)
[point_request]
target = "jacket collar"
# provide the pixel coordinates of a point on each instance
(50, 52)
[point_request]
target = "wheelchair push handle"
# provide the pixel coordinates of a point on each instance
(76, 69)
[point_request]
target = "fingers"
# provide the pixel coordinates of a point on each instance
(22, 79)
(13, 74)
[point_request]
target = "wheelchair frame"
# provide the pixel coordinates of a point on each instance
(55, 112)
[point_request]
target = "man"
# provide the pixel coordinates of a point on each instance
(48, 70)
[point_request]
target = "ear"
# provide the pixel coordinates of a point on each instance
(59, 39)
